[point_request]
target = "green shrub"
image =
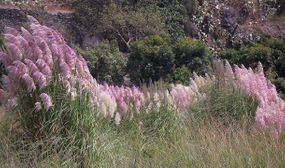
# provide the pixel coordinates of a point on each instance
(250, 56)
(1, 42)
(278, 51)
(180, 75)
(2, 68)
(230, 54)
(269, 51)
(155, 57)
(88, 12)
(106, 62)
(150, 58)
(191, 53)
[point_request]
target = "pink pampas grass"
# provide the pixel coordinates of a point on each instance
(46, 100)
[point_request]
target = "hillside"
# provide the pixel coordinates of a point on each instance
(142, 83)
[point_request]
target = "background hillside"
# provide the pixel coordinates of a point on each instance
(142, 83)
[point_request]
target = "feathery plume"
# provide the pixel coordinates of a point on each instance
(46, 100)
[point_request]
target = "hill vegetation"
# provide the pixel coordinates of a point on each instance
(182, 83)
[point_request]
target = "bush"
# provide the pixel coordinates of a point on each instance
(191, 53)
(2, 68)
(230, 54)
(180, 75)
(150, 58)
(106, 62)
(278, 51)
(250, 56)
(88, 12)
(269, 51)
(155, 57)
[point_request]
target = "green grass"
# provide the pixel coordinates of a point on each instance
(163, 138)
(203, 143)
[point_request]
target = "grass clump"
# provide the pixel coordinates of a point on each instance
(162, 138)
(224, 101)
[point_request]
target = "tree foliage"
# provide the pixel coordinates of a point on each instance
(127, 25)
(192, 53)
(269, 51)
(106, 62)
(172, 13)
(150, 58)
(88, 12)
(156, 57)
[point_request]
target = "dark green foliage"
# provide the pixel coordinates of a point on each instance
(156, 57)
(278, 51)
(150, 58)
(1, 42)
(230, 54)
(128, 25)
(172, 13)
(192, 53)
(88, 12)
(180, 75)
(269, 51)
(250, 56)
(106, 62)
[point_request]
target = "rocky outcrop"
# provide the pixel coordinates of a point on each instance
(234, 23)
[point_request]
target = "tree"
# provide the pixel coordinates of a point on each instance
(127, 25)
(172, 13)
(88, 12)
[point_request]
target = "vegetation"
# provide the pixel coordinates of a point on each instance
(66, 108)
(193, 54)
(155, 57)
(151, 58)
(165, 139)
(127, 26)
(106, 62)
(269, 51)
(172, 14)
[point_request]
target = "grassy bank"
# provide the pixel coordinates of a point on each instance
(208, 134)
